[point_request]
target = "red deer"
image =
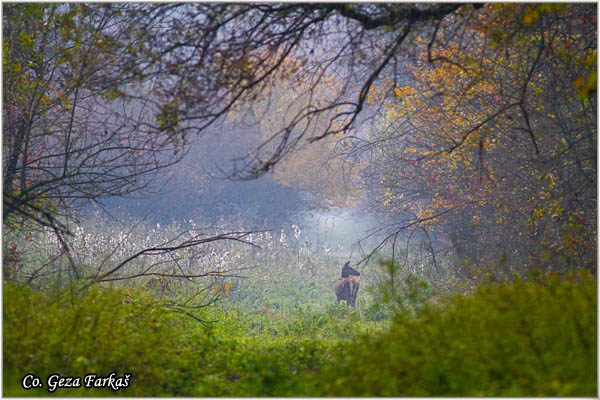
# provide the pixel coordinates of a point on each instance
(346, 287)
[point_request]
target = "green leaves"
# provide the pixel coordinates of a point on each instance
(168, 118)
(97, 331)
(112, 94)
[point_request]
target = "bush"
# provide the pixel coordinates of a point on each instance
(258, 367)
(97, 331)
(522, 339)
(407, 293)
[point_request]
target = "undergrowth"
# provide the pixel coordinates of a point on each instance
(520, 339)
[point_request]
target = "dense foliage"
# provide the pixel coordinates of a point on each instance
(98, 331)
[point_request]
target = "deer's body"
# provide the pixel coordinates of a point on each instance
(346, 287)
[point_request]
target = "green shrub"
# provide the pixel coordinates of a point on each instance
(259, 367)
(97, 331)
(406, 293)
(522, 339)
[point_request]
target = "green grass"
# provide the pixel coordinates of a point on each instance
(521, 339)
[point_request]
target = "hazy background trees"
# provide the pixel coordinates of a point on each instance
(199, 188)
